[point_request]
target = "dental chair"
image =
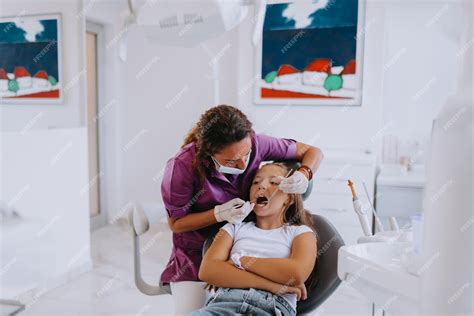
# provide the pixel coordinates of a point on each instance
(324, 278)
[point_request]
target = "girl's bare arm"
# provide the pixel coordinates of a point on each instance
(192, 221)
(217, 271)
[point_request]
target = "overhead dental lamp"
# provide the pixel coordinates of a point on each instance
(186, 23)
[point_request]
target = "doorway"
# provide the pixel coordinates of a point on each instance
(94, 42)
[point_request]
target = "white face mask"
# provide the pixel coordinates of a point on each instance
(231, 170)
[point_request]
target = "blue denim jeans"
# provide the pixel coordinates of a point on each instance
(245, 302)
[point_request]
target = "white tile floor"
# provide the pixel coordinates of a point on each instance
(108, 289)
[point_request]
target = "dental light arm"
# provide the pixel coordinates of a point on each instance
(261, 8)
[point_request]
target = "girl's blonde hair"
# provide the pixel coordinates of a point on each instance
(295, 213)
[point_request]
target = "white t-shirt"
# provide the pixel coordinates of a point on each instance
(265, 243)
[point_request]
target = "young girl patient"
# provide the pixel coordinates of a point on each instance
(260, 267)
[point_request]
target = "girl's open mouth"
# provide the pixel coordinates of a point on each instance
(262, 200)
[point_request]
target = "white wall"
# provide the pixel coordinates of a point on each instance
(161, 92)
(407, 44)
(421, 61)
(323, 126)
(16, 117)
(172, 90)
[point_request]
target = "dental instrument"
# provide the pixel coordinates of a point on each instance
(378, 223)
(364, 222)
(395, 234)
(393, 223)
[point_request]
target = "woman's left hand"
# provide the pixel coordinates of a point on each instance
(296, 183)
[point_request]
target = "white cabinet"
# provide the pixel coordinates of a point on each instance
(399, 193)
(46, 182)
(331, 196)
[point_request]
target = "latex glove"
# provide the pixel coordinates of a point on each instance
(233, 211)
(296, 183)
(242, 213)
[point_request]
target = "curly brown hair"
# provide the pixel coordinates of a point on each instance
(217, 128)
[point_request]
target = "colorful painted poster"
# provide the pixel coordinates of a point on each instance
(30, 63)
(311, 53)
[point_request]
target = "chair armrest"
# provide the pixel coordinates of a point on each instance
(138, 220)
(139, 225)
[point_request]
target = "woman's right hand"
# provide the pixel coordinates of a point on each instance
(233, 211)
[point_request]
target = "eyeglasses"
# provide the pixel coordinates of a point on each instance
(231, 162)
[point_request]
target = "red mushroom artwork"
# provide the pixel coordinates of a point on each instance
(30, 67)
(311, 53)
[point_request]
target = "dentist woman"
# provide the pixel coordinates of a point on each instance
(206, 184)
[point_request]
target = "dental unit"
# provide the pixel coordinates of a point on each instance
(394, 234)
(428, 270)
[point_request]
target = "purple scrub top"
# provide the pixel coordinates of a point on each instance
(183, 194)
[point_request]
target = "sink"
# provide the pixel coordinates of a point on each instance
(379, 271)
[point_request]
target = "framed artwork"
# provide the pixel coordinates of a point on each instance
(30, 67)
(311, 53)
